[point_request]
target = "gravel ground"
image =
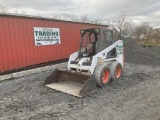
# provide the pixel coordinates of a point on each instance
(135, 97)
(141, 55)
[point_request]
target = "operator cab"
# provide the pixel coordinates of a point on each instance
(94, 40)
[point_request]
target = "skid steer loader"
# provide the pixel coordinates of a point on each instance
(99, 59)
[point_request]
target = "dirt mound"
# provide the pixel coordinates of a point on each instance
(138, 54)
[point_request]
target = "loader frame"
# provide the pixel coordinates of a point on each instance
(98, 58)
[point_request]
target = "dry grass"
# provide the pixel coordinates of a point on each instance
(149, 42)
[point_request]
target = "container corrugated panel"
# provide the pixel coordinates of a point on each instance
(17, 46)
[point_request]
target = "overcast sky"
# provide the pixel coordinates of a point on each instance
(137, 10)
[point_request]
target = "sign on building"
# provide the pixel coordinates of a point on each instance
(46, 36)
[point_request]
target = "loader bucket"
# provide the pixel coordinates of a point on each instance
(74, 83)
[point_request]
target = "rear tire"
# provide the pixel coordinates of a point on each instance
(102, 75)
(116, 70)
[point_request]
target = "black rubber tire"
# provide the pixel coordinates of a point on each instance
(98, 73)
(113, 70)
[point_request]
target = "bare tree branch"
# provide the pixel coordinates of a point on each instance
(66, 16)
(142, 31)
(128, 29)
(23, 12)
(84, 18)
(119, 22)
(98, 21)
(15, 11)
(4, 9)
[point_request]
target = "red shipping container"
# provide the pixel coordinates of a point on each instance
(17, 43)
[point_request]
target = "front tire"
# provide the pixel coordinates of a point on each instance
(102, 75)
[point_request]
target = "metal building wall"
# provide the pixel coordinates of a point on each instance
(17, 47)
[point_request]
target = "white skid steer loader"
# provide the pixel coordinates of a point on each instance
(98, 60)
